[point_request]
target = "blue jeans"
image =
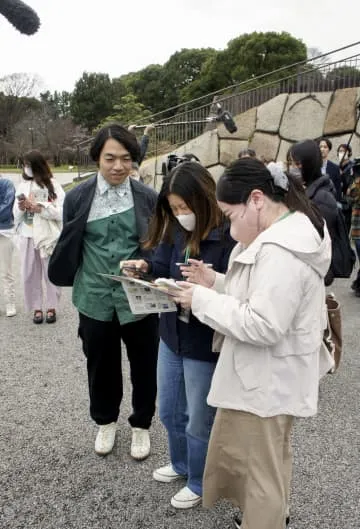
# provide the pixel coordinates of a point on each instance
(183, 386)
(357, 247)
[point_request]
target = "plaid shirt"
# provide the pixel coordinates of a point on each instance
(354, 195)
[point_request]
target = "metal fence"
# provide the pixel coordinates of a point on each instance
(178, 125)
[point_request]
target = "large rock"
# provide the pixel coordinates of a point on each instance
(205, 147)
(229, 150)
(147, 171)
(358, 113)
(216, 171)
(245, 123)
(304, 116)
(265, 145)
(341, 114)
(269, 114)
(283, 149)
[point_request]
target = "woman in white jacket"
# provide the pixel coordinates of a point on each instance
(38, 218)
(269, 311)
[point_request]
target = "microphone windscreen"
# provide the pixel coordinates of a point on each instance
(20, 15)
(229, 122)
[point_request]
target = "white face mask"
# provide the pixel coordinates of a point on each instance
(28, 171)
(188, 222)
(342, 156)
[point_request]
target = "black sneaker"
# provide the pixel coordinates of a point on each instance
(237, 522)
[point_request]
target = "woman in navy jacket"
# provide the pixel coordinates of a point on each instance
(187, 224)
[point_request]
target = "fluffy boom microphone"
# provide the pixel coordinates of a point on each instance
(20, 15)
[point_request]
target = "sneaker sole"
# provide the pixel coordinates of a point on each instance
(185, 504)
(101, 453)
(140, 458)
(166, 479)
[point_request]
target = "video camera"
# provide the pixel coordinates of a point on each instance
(173, 160)
(226, 118)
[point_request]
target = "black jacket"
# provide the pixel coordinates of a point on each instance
(322, 193)
(67, 255)
(193, 339)
(333, 171)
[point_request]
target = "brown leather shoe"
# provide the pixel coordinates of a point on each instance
(51, 316)
(38, 316)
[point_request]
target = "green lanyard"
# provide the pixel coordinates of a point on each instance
(284, 216)
(187, 255)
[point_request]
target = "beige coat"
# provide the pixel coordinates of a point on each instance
(50, 211)
(46, 226)
(270, 309)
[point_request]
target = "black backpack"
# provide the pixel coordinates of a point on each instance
(343, 256)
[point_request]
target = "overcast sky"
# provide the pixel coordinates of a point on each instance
(117, 37)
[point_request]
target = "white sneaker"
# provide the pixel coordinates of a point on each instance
(105, 439)
(10, 310)
(166, 474)
(140, 444)
(185, 499)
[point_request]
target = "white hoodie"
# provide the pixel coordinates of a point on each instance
(270, 308)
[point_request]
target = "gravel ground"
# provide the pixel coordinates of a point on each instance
(51, 477)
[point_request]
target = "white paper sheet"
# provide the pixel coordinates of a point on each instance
(144, 297)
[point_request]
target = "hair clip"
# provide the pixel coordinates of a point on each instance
(279, 177)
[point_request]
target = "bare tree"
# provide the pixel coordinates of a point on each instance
(17, 100)
(21, 85)
(316, 56)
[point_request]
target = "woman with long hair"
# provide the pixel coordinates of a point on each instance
(269, 309)
(305, 157)
(187, 225)
(346, 165)
(38, 218)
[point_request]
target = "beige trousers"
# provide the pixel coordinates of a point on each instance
(7, 280)
(249, 462)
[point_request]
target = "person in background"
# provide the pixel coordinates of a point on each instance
(344, 153)
(306, 160)
(354, 198)
(269, 309)
(7, 280)
(330, 168)
(144, 142)
(247, 153)
(187, 223)
(38, 216)
(106, 219)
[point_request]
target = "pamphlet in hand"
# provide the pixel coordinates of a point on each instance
(145, 297)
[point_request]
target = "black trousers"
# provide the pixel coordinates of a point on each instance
(102, 347)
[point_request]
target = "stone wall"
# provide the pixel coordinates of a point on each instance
(271, 128)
